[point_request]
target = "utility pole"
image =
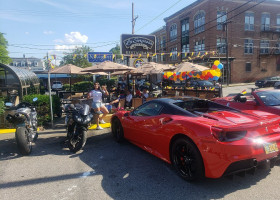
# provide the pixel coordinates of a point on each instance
(49, 86)
(133, 19)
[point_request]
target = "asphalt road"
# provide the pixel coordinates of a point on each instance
(108, 170)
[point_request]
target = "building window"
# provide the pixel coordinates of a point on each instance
(221, 19)
(278, 23)
(185, 27)
(248, 67)
(199, 46)
(173, 32)
(277, 48)
(158, 44)
(185, 49)
(35, 64)
(163, 42)
(174, 53)
(249, 21)
(264, 47)
(221, 45)
(277, 67)
(248, 46)
(199, 22)
(265, 22)
(163, 57)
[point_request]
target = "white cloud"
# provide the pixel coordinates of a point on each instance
(48, 32)
(75, 38)
(70, 42)
(26, 33)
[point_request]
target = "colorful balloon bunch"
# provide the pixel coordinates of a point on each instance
(212, 74)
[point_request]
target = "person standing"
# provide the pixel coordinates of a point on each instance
(97, 95)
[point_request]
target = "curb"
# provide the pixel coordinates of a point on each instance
(3, 131)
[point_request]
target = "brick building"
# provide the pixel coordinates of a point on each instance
(253, 35)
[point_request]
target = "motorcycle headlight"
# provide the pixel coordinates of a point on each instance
(77, 118)
(87, 120)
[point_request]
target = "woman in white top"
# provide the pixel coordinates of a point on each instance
(96, 95)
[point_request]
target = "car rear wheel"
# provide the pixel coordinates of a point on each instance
(117, 130)
(186, 159)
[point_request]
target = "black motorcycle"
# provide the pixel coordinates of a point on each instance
(78, 118)
(24, 117)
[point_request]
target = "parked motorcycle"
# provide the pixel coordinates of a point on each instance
(24, 117)
(78, 118)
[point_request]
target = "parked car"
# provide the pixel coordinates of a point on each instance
(200, 137)
(57, 85)
(263, 100)
(277, 85)
(202, 84)
(267, 82)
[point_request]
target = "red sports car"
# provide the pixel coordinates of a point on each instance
(201, 138)
(264, 100)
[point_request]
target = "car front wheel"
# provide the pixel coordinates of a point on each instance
(186, 159)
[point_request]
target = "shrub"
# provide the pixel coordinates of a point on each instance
(104, 81)
(83, 86)
(43, 106)
(66, 87)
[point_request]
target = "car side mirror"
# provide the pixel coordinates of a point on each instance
(126, 114)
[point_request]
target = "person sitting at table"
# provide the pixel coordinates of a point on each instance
(145, 95)
(116, 102)
(128, 99)
(138, 93)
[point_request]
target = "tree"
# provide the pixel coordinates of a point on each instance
(116, 50)
(77, 57)
(4, 58)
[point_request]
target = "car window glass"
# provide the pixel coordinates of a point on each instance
(148, 109)
(270, 98)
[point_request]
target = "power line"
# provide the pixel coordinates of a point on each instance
(159, 15)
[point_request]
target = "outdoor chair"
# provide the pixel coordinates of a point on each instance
(136, 102)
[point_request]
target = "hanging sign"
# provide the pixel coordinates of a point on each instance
(138, 44)
(97, 57)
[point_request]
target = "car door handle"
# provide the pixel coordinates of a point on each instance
(165, 120)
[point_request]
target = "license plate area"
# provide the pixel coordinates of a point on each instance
(270, 147)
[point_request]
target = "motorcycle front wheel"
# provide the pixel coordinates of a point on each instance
(23, 142)
(77, 142)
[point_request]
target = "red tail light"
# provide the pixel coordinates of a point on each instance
(229, 136)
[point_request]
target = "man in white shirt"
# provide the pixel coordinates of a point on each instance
(128, 99)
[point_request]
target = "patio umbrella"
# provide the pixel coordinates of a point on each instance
(151, 68)
(188, 67)
(119, 73)
(67, 69)
(107, 66)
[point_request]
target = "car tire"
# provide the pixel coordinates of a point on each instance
(117, 130)
(187, 160)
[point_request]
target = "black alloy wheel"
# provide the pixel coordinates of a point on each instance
(117, 130)
(187, 160)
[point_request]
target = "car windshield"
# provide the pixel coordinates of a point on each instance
(270, 98)
(205, 83)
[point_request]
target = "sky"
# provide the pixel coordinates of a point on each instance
(38, 27)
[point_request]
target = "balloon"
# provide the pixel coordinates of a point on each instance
(214, 67)
(220, 66)
(216, 62)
